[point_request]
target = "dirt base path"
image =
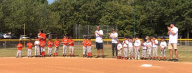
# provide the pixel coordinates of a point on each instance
(85, 65)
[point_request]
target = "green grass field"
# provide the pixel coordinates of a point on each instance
(184, 55)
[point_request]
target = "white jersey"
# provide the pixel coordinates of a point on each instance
(125, 43)
(36, 43)
(155, 42)
(137, 42)
(163, 44)
(173, 38)
(144, 45)
(99, 39)
(119, 46)
(130, 44)
(149, 44)
(114, 40)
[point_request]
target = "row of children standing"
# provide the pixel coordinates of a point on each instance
(41, 45)
(147, 46)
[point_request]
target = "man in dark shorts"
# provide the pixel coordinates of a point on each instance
(99, 41)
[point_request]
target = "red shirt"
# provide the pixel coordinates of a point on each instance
(71, 43)
(42, 35)
(42, 43)
(65, 40)
(29, 45)
(50, 44)
(19, 46)
(57, 43)
(84, 43)
(89, 42)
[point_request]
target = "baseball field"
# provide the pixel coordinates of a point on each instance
(78, 64)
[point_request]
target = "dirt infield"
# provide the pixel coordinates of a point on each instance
(85, 65)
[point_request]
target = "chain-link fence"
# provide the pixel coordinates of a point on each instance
(88, 30)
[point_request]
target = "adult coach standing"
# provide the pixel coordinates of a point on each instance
(173, 37)
(99, 41)
(114, 36)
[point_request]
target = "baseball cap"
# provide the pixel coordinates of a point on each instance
(136, 36)
(84, 37)
(172, 23)
(155, 36)
(144, 39)
(125, 37)
(113, 29)
(163, 38)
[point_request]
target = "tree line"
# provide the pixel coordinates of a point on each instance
(152, 16)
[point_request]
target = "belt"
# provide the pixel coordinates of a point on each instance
(144, 49)
(125, 47)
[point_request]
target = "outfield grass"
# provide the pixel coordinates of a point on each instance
(184, 55)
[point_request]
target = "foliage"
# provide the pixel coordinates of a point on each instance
(152, 16)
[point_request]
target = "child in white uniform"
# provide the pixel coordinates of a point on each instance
(119, 48)
(144, 51)
(130, 48)
(149, 45)
(137, 45)
(125, 47)
(163, 46)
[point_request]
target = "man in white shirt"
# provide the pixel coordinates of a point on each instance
(173, 37)
(114, 36)
(99, 41)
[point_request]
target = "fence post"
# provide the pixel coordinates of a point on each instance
(5, 44)
(88, 29)
(107, 33)
(76, 31)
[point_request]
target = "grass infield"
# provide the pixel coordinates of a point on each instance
(184, 54)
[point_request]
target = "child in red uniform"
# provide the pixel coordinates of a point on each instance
(42, 44)
(71, 46)
(29, 45)
(84, 46)
(19, 49)
(89, 42)
(50, 44)
(65, 41)
(56, 50)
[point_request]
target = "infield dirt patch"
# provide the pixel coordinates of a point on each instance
(87, 65)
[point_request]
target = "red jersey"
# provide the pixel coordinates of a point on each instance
(50, 44)
(42, 35)
(42, 43)
(29, 45)
(19, 46)
(84, 43)
(71, 43)
(65, 40)
(57, 43)
(89, 42)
